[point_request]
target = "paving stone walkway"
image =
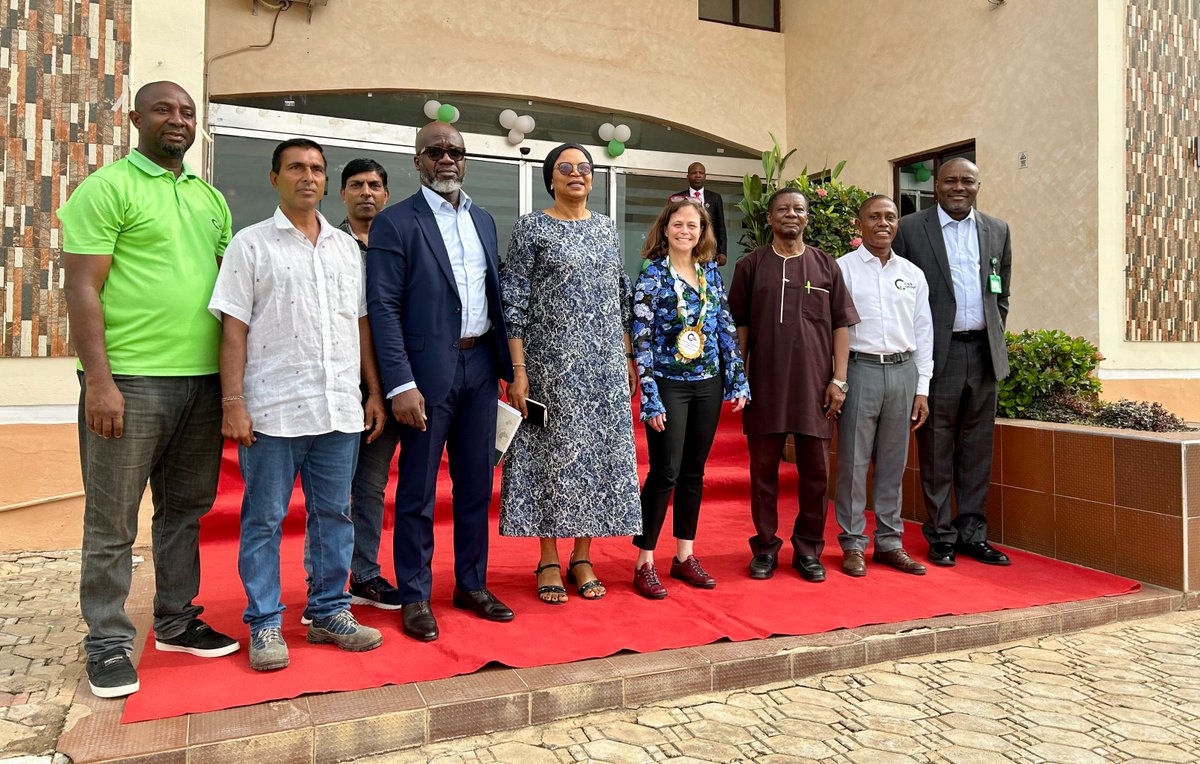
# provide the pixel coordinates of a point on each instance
(40, 656)
(1126, 692)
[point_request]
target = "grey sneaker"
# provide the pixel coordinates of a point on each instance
(268, 651)
(342, 630)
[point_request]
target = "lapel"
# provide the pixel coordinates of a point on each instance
(933, 229)
(433, 236)
(490, 245)
(985, 252)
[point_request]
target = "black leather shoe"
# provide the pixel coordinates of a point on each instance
(763, 566)
(483, 604)
(418, 621)
(984, 552)
(942, 553)
(810, 568)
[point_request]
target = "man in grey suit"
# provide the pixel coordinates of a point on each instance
(967, 258)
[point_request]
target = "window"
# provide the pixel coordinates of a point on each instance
(913, 176)
(756, 14)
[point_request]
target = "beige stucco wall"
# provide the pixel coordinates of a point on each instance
(621, 55)
(879, 81)
(168, 44)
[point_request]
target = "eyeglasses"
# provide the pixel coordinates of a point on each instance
(437, 152)
(566, 168)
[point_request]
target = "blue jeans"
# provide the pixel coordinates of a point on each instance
(325, 464)
(172, 440)
(366, 498)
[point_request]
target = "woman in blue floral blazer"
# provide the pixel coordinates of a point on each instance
(688, 361)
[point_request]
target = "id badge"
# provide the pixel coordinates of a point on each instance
(994, 283)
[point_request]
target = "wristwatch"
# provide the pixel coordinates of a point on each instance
(840, 384)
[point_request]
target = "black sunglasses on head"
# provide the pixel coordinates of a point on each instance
(437, 152)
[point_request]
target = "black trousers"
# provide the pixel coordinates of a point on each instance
(677, 457)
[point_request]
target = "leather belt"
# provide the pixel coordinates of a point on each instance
(466, 343)
(880, 358)
(975, 335)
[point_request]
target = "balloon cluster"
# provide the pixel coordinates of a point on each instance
(615, 136)
(442, 112)
(921, 172)
(517, 127)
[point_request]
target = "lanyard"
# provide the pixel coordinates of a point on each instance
(681, 301)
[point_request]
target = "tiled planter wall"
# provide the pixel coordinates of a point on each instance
(1114, 500)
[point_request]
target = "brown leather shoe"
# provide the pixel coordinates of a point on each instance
(690, 571)
(853, 563)
(899, 559)
(645, 581)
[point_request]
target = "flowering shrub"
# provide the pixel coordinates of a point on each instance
(832, 205)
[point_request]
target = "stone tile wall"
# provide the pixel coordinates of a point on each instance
(65, 64)
(1162, 277)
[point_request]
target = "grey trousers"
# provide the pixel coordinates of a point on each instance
(172, 440)
(874, 424)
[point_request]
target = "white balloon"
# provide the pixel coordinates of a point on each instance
(508, 119)
(431, 108)
(622, 133)
(457, 114)
(515, 136)
(526, 124)
(606, 132)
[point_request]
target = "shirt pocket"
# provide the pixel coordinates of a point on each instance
(815, 305)
(345, 295)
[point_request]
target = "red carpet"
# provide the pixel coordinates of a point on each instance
(738, 609)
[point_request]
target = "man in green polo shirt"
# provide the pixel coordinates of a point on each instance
(142, 240)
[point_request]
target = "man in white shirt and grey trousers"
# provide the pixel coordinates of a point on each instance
(891, 362)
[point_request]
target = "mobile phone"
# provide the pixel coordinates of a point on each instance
(538, 414)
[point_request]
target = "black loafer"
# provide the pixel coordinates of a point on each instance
(418, 621)
(983, 552)
(942, 553)
(763, 566)
(810, 568)
(482, 603)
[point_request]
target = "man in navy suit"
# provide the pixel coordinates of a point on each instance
(712, 202)
(433, 290)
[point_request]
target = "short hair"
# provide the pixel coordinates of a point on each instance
(361, 165)
(290, 143)
(783, 191)
(656, 244)
(876, 198)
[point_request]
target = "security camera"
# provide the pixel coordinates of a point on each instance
(525, 150)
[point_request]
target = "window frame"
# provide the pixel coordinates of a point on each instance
(938, 156)
(737, 16)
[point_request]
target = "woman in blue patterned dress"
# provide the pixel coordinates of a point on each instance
(566, 305)
(688, 362)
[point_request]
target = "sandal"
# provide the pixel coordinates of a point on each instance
(551, 589)
(586, 586)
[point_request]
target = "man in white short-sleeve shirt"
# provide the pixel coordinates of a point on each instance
(291, 298)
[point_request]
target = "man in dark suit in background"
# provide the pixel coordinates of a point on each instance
(712, 202)
(433, 284)
(967, 259)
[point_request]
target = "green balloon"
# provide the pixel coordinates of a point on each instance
(923, 174)
(615, 148)
(445, 113)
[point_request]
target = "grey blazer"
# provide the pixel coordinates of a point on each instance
(920, 240)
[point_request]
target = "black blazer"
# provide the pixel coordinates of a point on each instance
(920, 240)
(716, 210)
(413, 303)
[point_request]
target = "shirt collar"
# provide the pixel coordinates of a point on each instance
(283, 224)
(437, 201)
(152, 168)
(945, 220)
(693, 191)
(865, 255)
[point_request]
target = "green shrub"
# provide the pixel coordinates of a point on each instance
(1046, 365)
(1052, 379)
(832, 205)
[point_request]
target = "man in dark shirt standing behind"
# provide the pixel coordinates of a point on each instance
(712, 203)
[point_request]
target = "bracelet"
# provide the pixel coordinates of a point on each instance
(231, 398)
(518, 366)
(631, 356)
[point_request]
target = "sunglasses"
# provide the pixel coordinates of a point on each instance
(437, 152)
(566, 168)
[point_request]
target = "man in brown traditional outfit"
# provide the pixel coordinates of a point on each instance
(793, 313)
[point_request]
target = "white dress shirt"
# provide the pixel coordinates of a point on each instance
(696, 194)
(893, 309)
(962, 248)
(302, 304)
